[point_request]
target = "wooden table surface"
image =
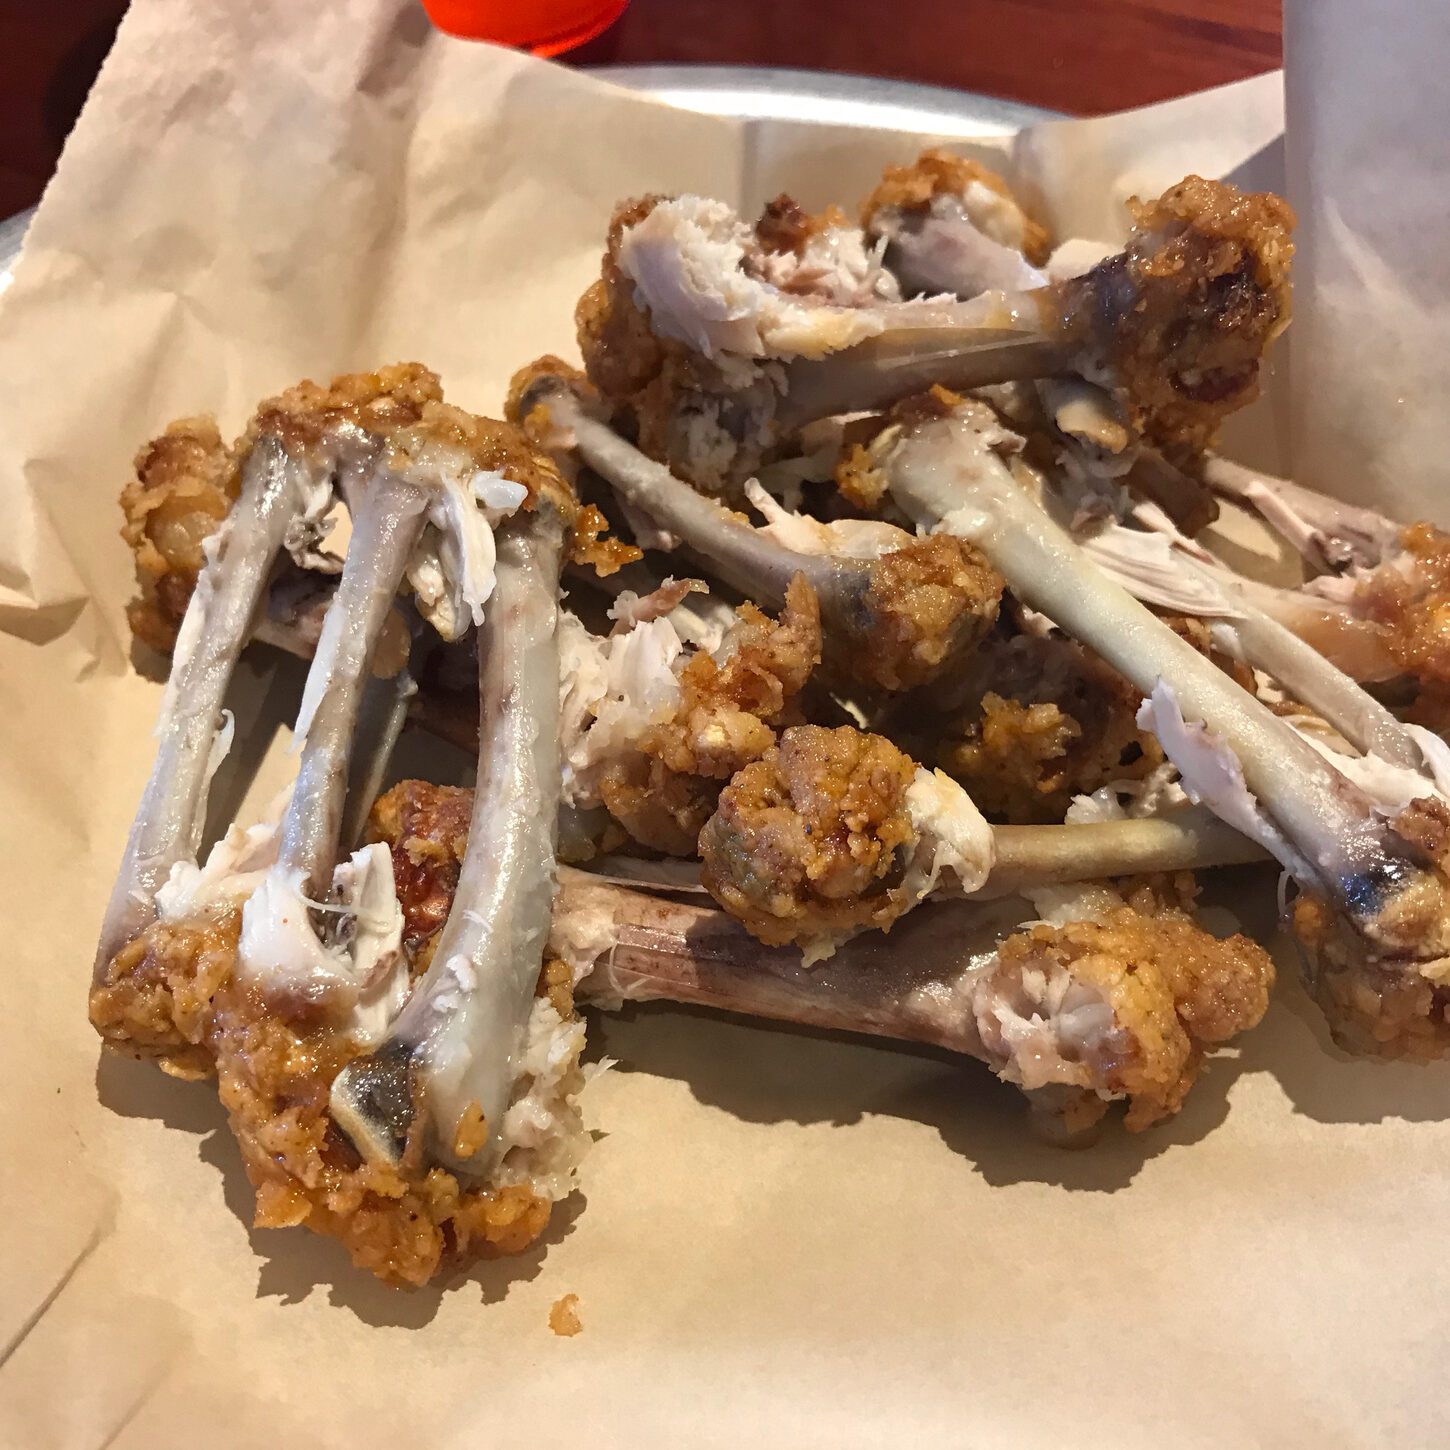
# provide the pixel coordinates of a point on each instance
(1081, 56)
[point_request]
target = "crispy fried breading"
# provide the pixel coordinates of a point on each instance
(715, 729)
(522, 406)
(187, 480)
(785, 226)
(635, 371)
(154, 998)
(590, 543)
(621, 354)
(492, 446)
(727, 717)
(380, 402)
(1182, 316)
(1413, 603)
(644, 378)
(1391, 1003)
(806, 841)
(1171, 987)
(933, 600)
(1043, 720)
(1024, 762)
(274, 1082)
(185, 483)
(426, 829)
(1381, 1010)
(937, 173)
(171, 994)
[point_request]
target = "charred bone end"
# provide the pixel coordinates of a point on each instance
(1378, 961)
(372, 1101)
(1375, 1005)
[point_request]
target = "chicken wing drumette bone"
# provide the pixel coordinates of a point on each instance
(1329, 534)
(298, 448)
(1249, 622)
(276, 489)
(1378, 602)
(1101, 1003)
(833, 832)
(456, 1047)
(872, 614)
(1175, 324)
(951, 225)
(1388, 892)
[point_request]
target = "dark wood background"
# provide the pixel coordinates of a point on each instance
(1082, 56)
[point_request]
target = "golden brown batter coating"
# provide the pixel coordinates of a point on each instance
(426, 829)
(187, 480)
(621, 354)
(785, 226)
(1413, 604)
(1390, 1000)
(806, 841)
(1385, 1011)
(154, 999)
(727, 716)
(931, 601)
(274, 1080)
(591, 543)
(1044, 719)
(937, 173)
(185, 483)
(1025, 762)
(1182, 316)
(171, 994)
(522, 409)
(492, 446)
(643, 377)
(380, 402)
(1172, 988)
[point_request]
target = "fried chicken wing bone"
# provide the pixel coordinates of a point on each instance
(1375, 916)
(715, 365)
(281, 967)
(833, 832)
(1077, 996)
(457, 1047)
(895, 610)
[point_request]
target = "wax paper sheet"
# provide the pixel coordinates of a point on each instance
(783, 1238)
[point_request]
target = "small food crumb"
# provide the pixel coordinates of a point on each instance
(564, 1316)
(472, 1131)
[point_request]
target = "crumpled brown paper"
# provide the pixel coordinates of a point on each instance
(783, 1238)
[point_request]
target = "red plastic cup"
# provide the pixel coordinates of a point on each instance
(544, 27)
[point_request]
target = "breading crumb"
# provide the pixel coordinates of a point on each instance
(564, 1316)
(471, 1131)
